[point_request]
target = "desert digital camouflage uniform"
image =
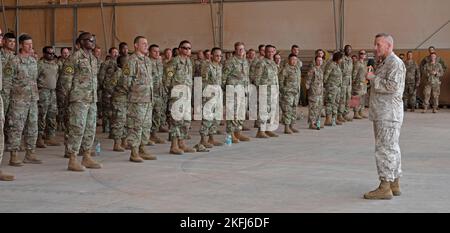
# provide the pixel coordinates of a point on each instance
(266, 73)
(47, 79)
(61, 96)
(332, 79)
(236, 72)
(386, 112)
(100, 63)
(140, 96)
(106, 75)
(346, 87)
(289, 79)
(8, 74)
(314, 85)
(359, 85)
(432, 83)
(23, 110)
(412, 82)
(427, 59)
(2, 116)
(197, 67)
(159, 95)
(120, 104)
(178, 72)
(299, 67)
(80, 81)
(211, 75)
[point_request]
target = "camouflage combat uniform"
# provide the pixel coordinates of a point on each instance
(47, 79)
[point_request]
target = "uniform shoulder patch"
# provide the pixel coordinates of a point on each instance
(126, 70)
(8, 70)
(69, 70)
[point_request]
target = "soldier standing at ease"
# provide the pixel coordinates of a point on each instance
(412, 82)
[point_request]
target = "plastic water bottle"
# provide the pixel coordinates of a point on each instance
(98, 148)
(334, 121)
(318, 124)
(228, 140)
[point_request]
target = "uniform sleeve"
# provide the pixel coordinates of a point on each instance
(390, 83)
(309, 78)
(227, 69)
(440, 70)
(257, 73)
(327, 73)
(444, 66)
(417, 74)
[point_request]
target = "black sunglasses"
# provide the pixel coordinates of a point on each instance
(186, 48)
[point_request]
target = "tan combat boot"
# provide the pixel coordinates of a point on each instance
(52, 142)
(348, 117)
(271, 134)
(261, 134)
(214, 142)
(340, 118)
(361, 113)
(14, 160)
(383, 192)
(174, 148)
(205, 142)
(156, 139)
(74, 165)
(395, 187)
(145, 154)
(184, 147)
(88, 162)
(293, 129)
(30, 157)
(117, 146)
(328, 121)
(6, 177)
(435, 110)
(241, 136)
(338, 122)
(424, 109)
(357, 116)
(40, 142)
(125, 144)
(151, 143)
(234, 139)
(134, 156)
(287, 129)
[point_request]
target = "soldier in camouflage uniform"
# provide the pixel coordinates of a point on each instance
(289, 79)
(23, 110)
(412, 82)
(359, 85)
(314, 85)
(266, 73)
(47, 78)
(119, 104)
(7, 55)
(197, 63)
(140, 97)
(332, 79)
(3, 176)
(179, 72)
(159, 94)
(386, 112)
(427, 59)
(346, 88)
(236, 72)
(61, 93)
(212, 78)
(164, 128)
(106, 75)
(80, 78)
(433, 73)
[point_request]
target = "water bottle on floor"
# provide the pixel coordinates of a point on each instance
(98, 148)
(228, 140)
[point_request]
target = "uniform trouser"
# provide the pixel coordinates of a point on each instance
(82, 127)
(409, 95)
(47, 113)
(289, 107)
(362, 103)
(159, 113)
(209, 127)
(315, 105)
(119, 120)
(2, 123)
(106, 110)
(165, 103)
(178, 128)
(343, 100)
(5, 96)
(139, 123)
(22, 118)
(387, 149)
(332, 100)
(62, 107)
(234, 126)
(432, 89)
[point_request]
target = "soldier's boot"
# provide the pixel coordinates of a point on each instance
(88, 162)
(40, 142)
(328, 121)
(157, 139)
(435, 110)
(174, 148)
(134, 155)
(287, 130)
(348, 117)
(151, 142)
(214, 142)
(293, 129)
(184, 147)
(52, 142)
(271, 134)
(205, 142)
(361, 113)
(357, 116)
(117, 146)
(261, 134)
(6, 177)
(145, 154)
(383, 192)
(340, 118)
(234, 139)
(163, 129)
(424, 109)
(338, 122)
(395, 187)
(241, 136)
(74, 165)
(30, 157)
(125, 144)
